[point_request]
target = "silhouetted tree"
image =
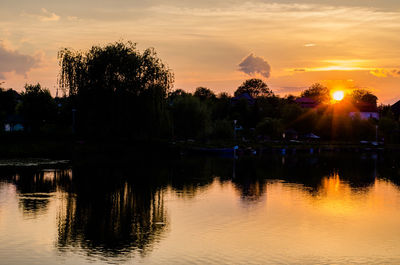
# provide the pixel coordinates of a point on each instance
(119, 90)
(222, 129)
(204, 93)
(221, 107)
(243, 113)
(291, 113)
(386, 111)
(191, 117)
(270, 127)
(8, 102)
(254, 87)
(317, 92)
(363, 96)
(37, 106)
(177, 93)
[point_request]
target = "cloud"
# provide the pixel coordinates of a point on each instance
(13, 61)
(47, 16)
(310, 45)
(72, 18)
(255, 65)
(337, 68)
(385, 72)
(44, 16)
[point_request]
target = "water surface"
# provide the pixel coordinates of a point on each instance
(203, 210)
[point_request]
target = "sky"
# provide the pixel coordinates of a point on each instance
(290, 44)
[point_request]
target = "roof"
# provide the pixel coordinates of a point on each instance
(311, 136)
(306, 102)
(246, 96)
(396, 108)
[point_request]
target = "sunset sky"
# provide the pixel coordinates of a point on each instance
(218, 44)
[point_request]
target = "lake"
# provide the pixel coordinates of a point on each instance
(308, 209)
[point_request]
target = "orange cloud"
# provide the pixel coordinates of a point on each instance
(385, 72)
(44, 15)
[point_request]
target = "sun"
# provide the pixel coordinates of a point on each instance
(338, 95)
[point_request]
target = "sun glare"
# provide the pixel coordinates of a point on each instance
(338, 95)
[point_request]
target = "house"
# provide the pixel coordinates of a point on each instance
(307, 103)
(14, 123)
(396, 109)
(365, 110)
(246, 96)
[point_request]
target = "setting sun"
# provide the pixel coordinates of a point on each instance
(338, 95)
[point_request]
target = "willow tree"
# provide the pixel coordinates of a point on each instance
(118, 90)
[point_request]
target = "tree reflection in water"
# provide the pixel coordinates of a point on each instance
(110, 214)
(35, 187)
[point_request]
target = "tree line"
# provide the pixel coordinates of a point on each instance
(118, 92)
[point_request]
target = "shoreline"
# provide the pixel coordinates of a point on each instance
(70, 148)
